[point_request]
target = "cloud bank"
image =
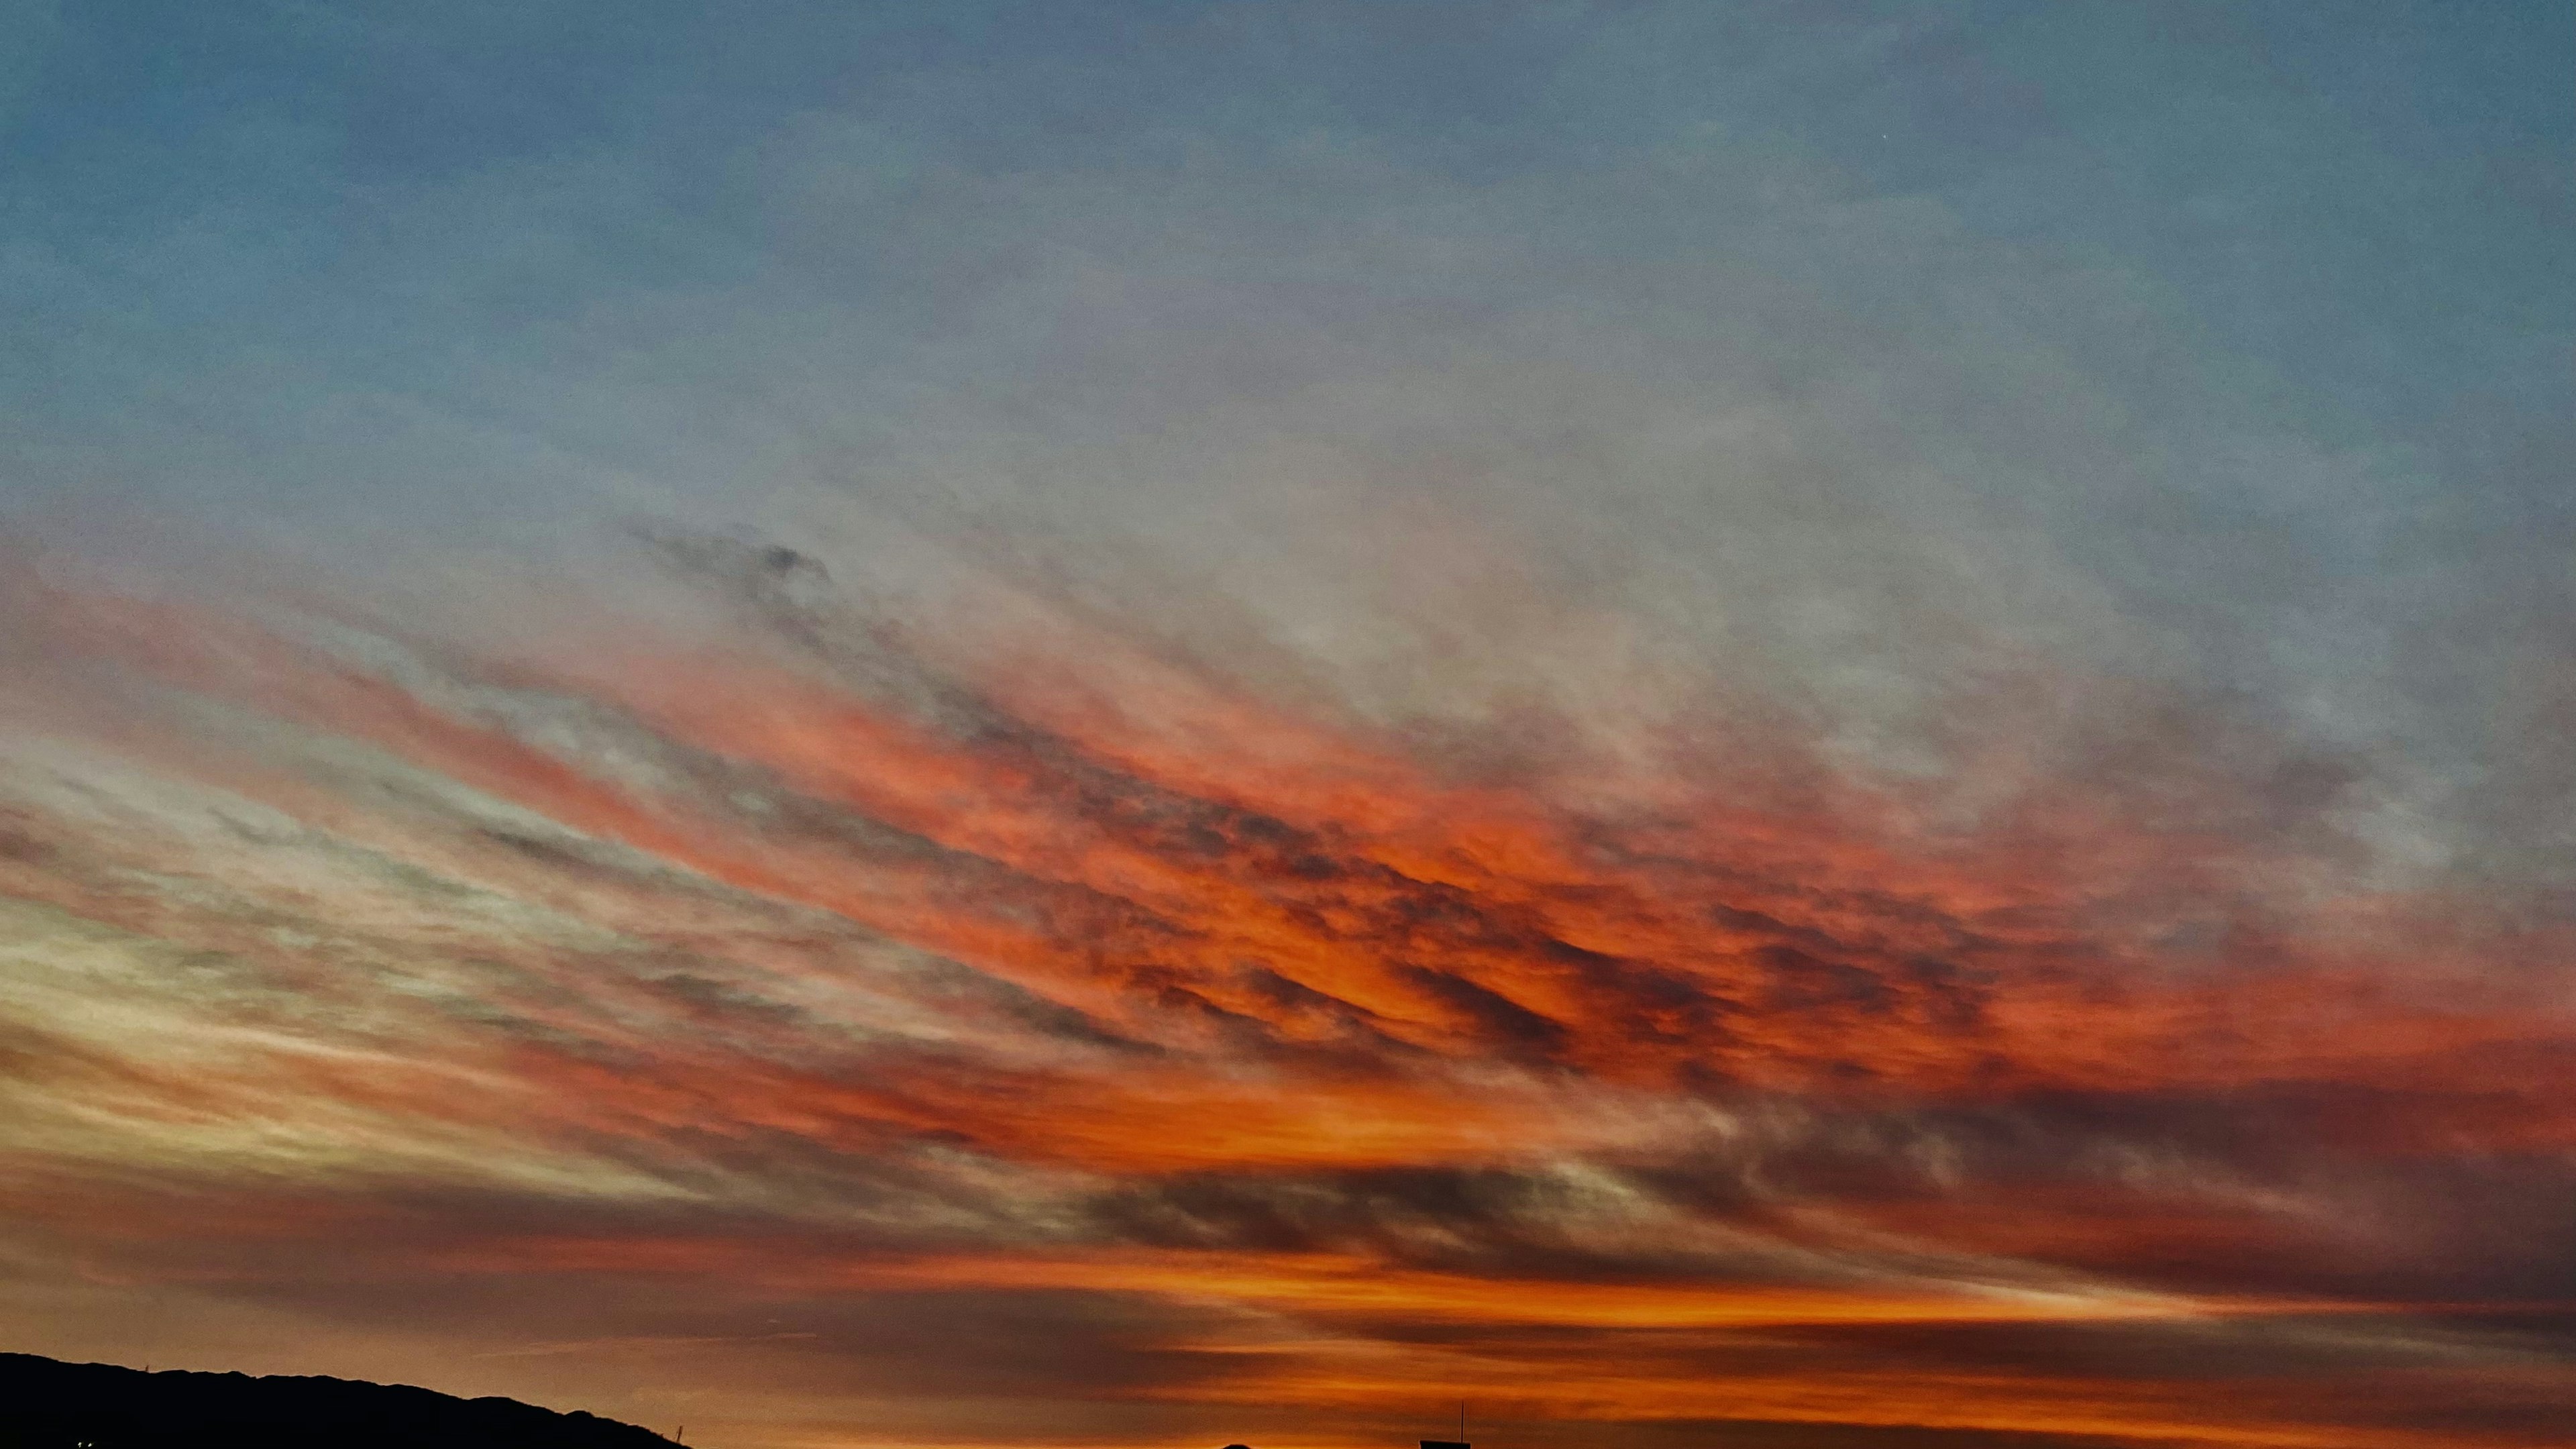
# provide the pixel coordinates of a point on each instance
(1067, 725)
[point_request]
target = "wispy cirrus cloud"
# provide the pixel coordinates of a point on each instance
(825, 966)
(1108, 725)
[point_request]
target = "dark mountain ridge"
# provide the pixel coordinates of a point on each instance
(48, 1404)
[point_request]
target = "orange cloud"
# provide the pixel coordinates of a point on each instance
(1062, 941)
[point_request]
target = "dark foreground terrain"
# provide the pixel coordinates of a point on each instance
(46, 1404)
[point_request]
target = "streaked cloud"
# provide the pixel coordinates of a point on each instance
(959, 727)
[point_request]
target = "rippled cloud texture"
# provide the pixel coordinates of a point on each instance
(1791, 725)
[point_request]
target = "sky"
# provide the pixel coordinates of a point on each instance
(1799, 725)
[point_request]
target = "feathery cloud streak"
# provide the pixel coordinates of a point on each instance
(946, 751)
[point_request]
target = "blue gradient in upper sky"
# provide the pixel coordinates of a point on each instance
(2259, 316)
(2318, 184)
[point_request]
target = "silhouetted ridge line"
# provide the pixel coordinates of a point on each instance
(48, 1404)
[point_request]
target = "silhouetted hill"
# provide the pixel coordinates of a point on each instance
(47, 1404)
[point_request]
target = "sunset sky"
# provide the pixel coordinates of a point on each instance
(1803, 725)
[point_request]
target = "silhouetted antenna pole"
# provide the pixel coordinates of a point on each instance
(1458, 1443)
